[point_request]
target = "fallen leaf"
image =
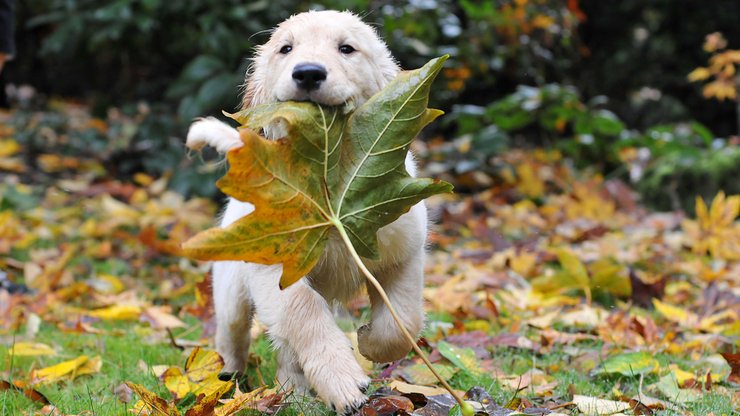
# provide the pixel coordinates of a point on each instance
(462, 358)
(31, 394)
(152, 402)
(176, 382)
(420, 373)
(123, 393)
(653, 403)
(610, 277)
(440, 404)
(675, 314)
(551, 336)
(204, 405)
(734, 361)
(27, 349)
(529, 183)
(481, 400)
(9, 147)
(514, 341)
(716, 366)
(160, 317)
(629, 364)
(91, 366)
(533, 378)
(668, 386)
(715, 231)
(238, 401)
(199, 377)
(402, 387)
(595, 406)
(576, 270)
(106, 283)
(585, 316)
(682, 377)
(386, 406)
(117, 313)
(67, 370)
(203, 364)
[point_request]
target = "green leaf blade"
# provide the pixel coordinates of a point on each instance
(628, 364)
(373, 187)
(393, 203)
(462, 358)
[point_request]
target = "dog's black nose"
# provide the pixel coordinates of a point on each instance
(309, 76)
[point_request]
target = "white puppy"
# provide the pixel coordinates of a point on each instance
(330, 58)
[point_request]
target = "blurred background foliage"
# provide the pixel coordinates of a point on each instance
(603, 82)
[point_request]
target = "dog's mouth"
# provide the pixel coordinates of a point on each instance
(317, 98)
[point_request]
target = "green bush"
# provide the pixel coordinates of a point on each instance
(193, 53)
(521, 73)
(686, 161)
(552, 115)
(65, 141)
(118, 51)
(668, 163)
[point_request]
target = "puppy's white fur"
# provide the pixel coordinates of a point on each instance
(313, 353)
(211, 132)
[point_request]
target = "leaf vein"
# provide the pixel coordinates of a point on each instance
(380, 135)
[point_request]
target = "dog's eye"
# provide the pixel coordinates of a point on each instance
(286, 49)
(346, 49)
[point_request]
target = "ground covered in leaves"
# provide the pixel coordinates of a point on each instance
(549, 291)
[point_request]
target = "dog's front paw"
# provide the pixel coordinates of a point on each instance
(382, 348)
(345, 399)
(292, 378)
(211, 132)
(339, 381)
(348, 408)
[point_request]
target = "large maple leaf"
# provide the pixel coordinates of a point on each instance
(332, 170)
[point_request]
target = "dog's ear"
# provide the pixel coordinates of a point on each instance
(389, 68)
(248, 94)
(254, 92)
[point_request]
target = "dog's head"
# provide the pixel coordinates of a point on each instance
(328, 57)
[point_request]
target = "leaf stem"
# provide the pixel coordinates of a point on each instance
(394, 314)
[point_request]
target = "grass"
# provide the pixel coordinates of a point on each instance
(129, 351)
(127, 356)
(122, 355)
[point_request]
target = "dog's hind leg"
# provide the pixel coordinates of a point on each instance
(234, 315)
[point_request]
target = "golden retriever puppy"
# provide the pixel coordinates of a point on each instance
(330, 58)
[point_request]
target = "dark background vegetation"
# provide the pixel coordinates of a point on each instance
(601, 81)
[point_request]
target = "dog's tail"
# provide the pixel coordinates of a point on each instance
(214, 133)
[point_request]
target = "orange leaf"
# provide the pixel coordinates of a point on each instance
(32, 394)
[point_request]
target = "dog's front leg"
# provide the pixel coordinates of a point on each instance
(299, 319)
(233, 314)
